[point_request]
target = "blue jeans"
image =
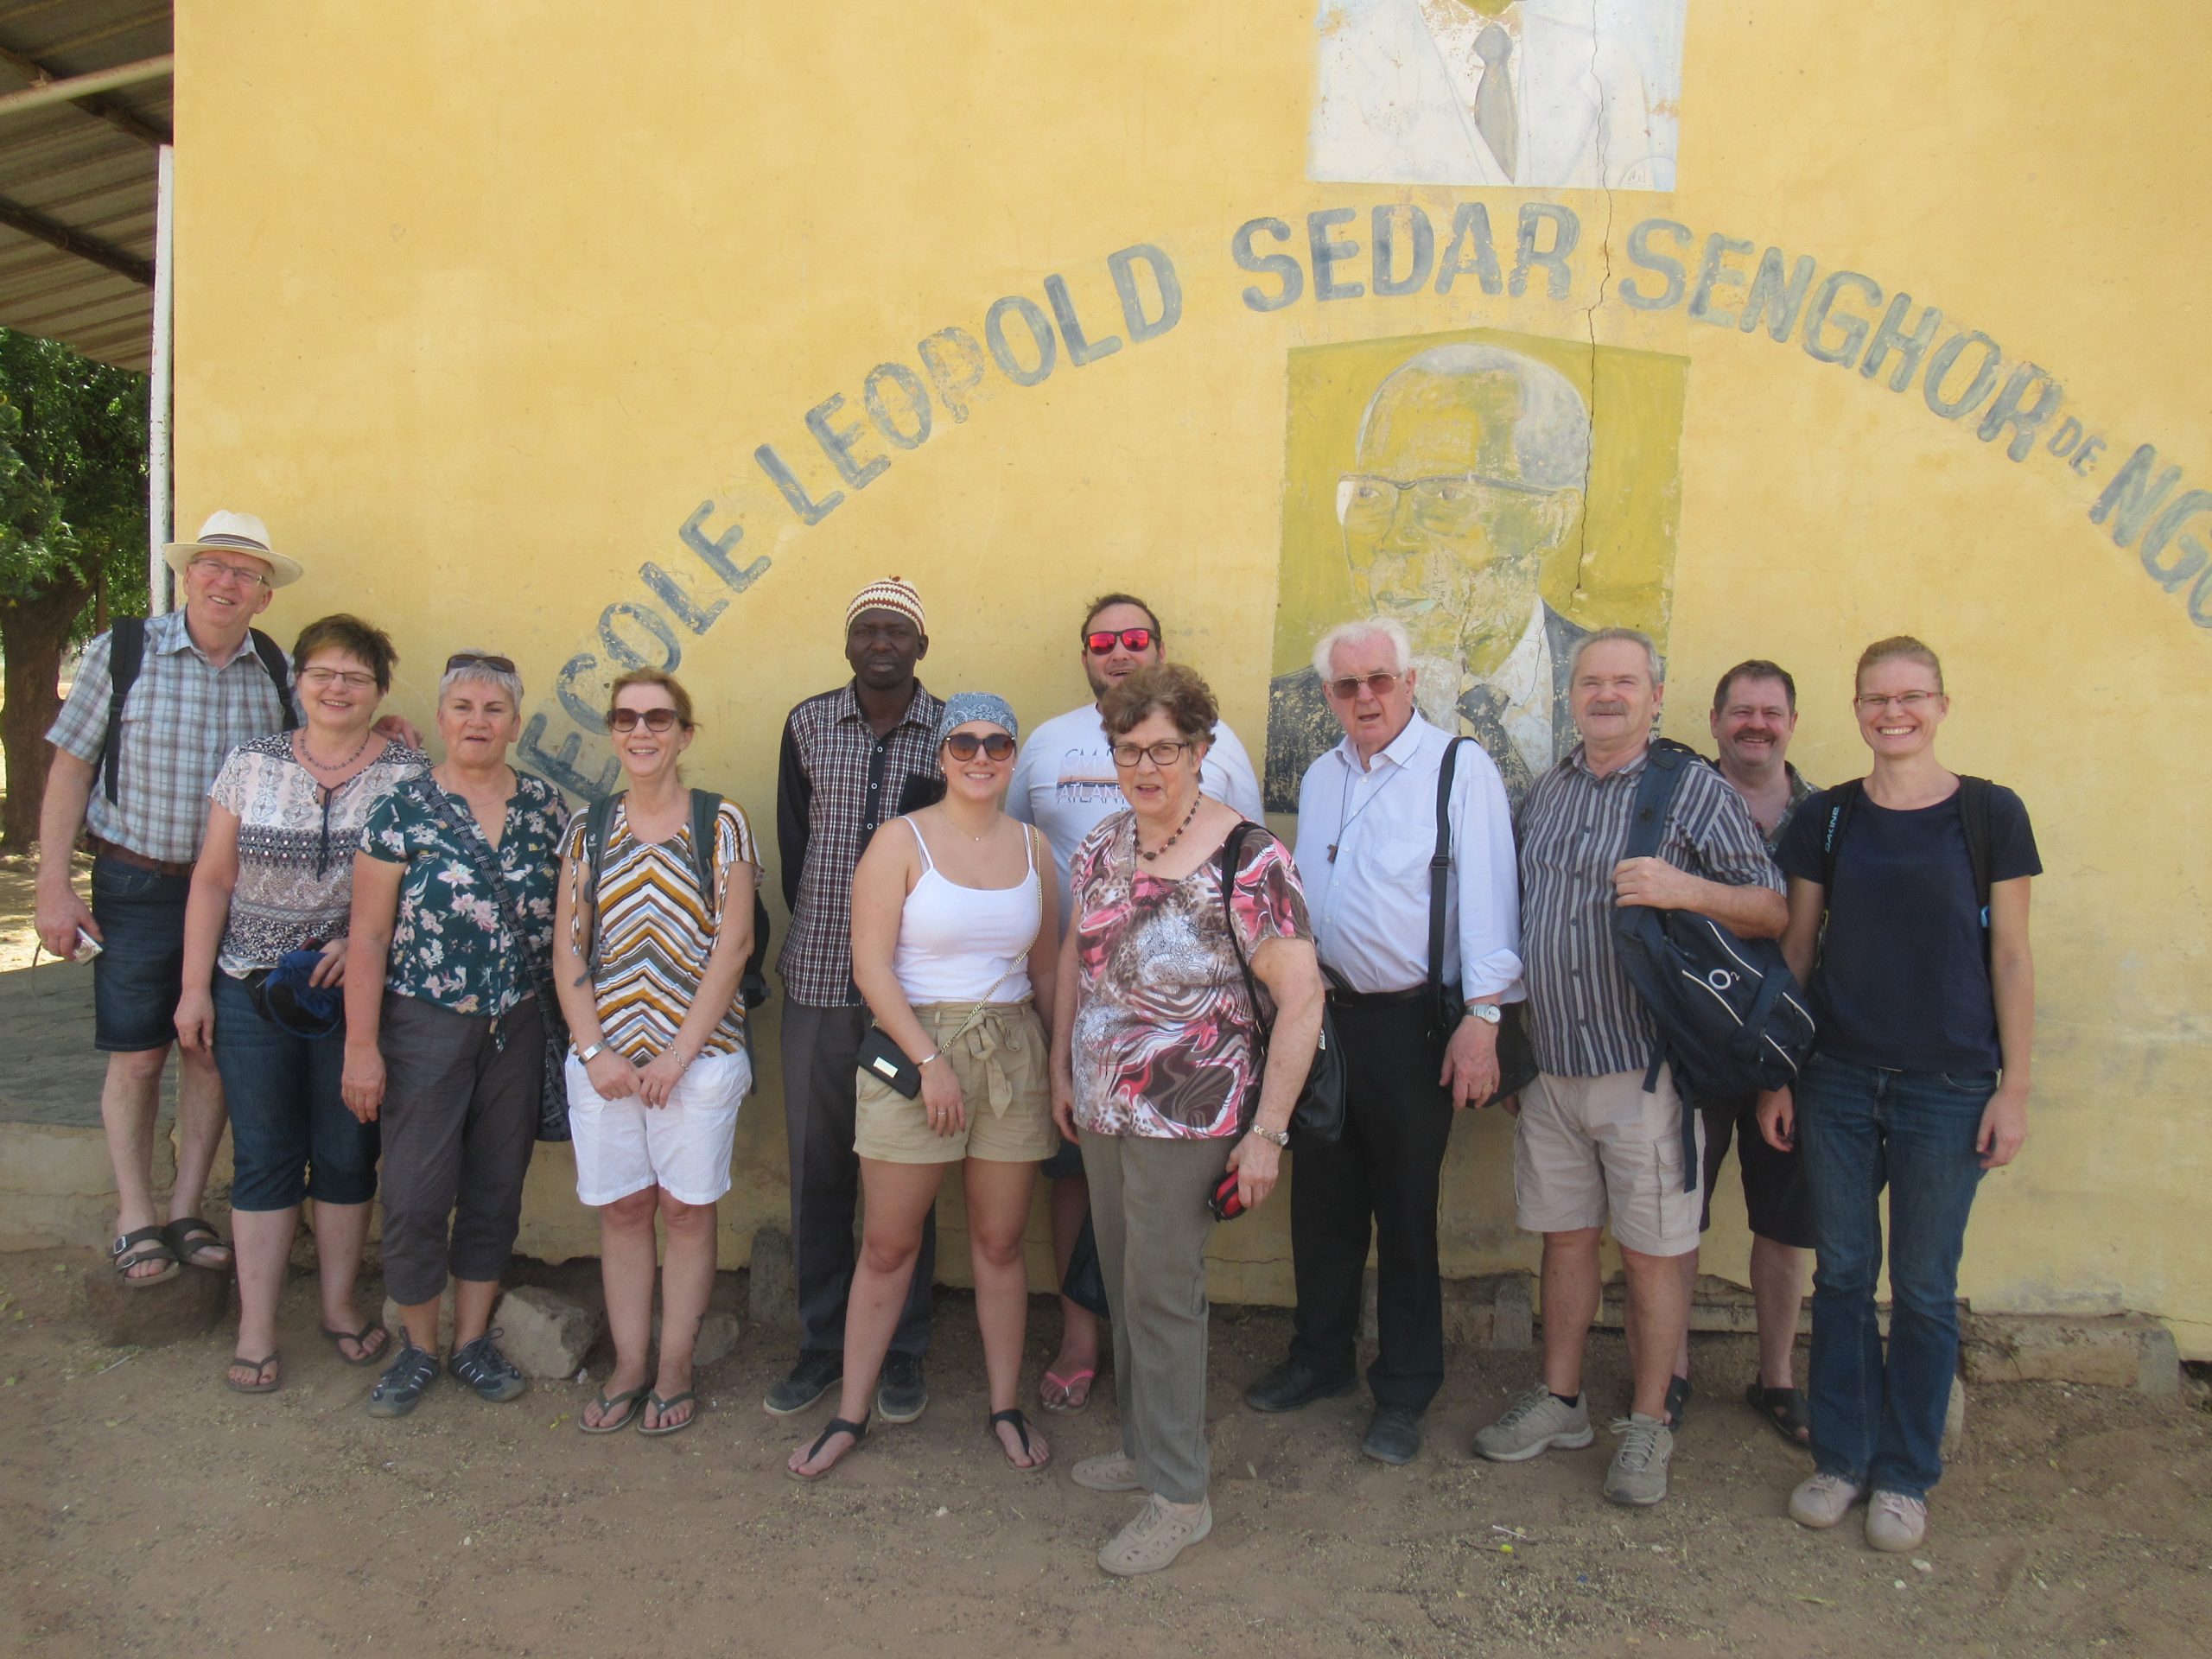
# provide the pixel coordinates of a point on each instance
(1860, 1128)
(291, 1136)
(139, 974)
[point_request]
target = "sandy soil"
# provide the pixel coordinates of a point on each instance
(145, 1510)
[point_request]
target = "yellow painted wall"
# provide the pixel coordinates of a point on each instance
(479, 303)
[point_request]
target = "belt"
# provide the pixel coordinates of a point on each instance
(1345, 999)
(138, 860)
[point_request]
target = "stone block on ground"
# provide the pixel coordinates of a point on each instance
(398, 1328)
(718, 1334)
(774, 1302)
(545, 1333)
(2121, 1351)
(1955, 1420)
(152, 1316)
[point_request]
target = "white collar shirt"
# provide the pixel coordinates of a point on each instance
(1370, 903)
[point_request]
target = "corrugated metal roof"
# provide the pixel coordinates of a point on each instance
(88, 167)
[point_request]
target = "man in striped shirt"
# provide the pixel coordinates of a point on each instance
(1592, 1146)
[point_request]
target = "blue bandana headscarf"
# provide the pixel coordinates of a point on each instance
(964, 706)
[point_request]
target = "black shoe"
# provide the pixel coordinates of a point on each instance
(1394, 1436)
(902, 1392)
(399, 1390)
(818, 1370)
(485, 1369)
(1294, 1383)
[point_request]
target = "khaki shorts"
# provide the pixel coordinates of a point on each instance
(1002, 1061)
(1592, 1150)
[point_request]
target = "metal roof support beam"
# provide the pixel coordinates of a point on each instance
(55, 234)
(114, 114)
(42, 92)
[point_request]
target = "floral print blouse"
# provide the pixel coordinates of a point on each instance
(452, 943)
(1164, 1033)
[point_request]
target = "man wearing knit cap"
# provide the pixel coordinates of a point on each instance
(852, 759)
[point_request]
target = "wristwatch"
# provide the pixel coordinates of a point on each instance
(588, 1055)
(1488, 1013)
(1280, 1137)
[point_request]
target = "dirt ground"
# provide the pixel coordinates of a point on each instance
(145, 1510)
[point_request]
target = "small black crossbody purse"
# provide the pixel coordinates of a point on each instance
(1317, 1120)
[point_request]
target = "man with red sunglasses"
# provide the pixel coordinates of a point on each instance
(1065, 784)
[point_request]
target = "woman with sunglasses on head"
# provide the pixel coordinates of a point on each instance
(655, 920)
(1908, 921)
(451, 937)
(1159, 1062)
(953, 944)
(274, 882)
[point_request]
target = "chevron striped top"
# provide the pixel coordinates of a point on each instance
(654, 932)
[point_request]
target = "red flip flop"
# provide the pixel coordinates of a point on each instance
(1067, 1405)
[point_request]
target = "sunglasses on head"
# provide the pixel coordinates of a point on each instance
(1102, 643)
(478, 660)
(961, 746)
(628, 720)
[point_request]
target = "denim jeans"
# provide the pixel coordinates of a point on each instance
(291, 1136)
(1860, 1128)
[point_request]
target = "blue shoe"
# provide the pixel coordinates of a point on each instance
(902, 1392)
(399, 1390)
(485, 1369)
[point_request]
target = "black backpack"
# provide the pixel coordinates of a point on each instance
(599, 819)
(126, 655)
(1731, 1020)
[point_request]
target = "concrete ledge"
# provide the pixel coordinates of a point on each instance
(1716, 1304)
(2121, 1351)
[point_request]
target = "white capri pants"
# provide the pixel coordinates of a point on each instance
(624, 1145)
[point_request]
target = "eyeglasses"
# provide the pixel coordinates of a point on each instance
(238, 573)
(322, 679)
(478, 660)
(1377, 686)
(963, 745)
(1449, 503)
(653, 720)
(1101, 643)
(1875, 702)
(1126, 755)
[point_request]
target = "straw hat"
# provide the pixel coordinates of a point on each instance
(234, 532)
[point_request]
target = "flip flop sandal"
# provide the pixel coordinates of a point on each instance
(664, 1407)
(1021, 1428)
(836, 1426)
(360, 1339)
(1067, 1405)
(147, 1244)
(632, 1402)
(1785, 1410)
(191, 1238)
(260, 1366)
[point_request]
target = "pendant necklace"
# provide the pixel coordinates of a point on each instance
(1171, 840)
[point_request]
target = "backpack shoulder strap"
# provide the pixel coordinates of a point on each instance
(1841, 798)
(1229, 848)
(1439, 867)
(599, 820)
(1973, 811)
(273, 660)
(705, 806)
(1655, 793)
(126, 654)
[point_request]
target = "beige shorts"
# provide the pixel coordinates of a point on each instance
(1592, 1150)
(1002, 1063)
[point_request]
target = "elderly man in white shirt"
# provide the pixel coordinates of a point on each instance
(1416, 1050)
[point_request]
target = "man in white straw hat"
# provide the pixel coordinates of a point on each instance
(157, 704)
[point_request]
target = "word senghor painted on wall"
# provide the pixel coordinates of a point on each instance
(1839, 318)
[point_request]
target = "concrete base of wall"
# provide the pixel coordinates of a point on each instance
(2122, 1350)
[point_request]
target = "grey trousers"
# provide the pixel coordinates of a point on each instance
(459, 1120)
(821, 1092)
(1149, 1206)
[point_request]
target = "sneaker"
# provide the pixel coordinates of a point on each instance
(902, 1394)
(1294, 1383)
(1822, 1500)
(818, 1370)
(1393, 1435)
(1895, 1522)
(485, 1369)
(1639, 1471)
(1111, 1472)
(399, 1390)
(1154, 1540)
(1535, 1422)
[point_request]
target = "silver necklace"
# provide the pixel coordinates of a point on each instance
(307, 753)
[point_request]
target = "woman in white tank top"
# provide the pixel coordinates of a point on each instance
(954, 940)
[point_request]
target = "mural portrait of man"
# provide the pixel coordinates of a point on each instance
(1533, 92)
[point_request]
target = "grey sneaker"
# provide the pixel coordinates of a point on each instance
(1535, 1422)
(902, 1394)
(818, 1370)
(1639, 1471)
(1154, 1540)
(1822, 1500)
(1110, 1472)
(1895, 1522)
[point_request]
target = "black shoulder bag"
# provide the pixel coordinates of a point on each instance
(1516, 1058)
(1317, 1120)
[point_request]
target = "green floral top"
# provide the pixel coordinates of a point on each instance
(452, 943)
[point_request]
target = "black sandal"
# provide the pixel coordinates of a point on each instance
(368, 1355)
(191, 1237)
(133, 1250)
(836, 1426)
(1021, 1429)
(1786, 1410)
(264, 1380)
(1678, 1400)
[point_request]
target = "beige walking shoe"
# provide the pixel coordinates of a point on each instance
(1895, 1522)
(1820, 1501)
(1537, 1422)
(1638, 1474)
(1159, 1533)
(1110, 1472)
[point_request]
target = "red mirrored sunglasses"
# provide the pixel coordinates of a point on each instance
(1101, 642)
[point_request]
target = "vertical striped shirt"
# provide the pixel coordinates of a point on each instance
(1585, 1019)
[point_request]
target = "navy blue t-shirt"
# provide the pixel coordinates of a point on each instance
(1903, 979)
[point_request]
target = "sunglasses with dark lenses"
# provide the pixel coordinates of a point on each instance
(1376, 685)
(961, 746)
(626, 719)
(477, 659)
(1102, 643)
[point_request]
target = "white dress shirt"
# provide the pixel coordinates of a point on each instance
(1369, 906)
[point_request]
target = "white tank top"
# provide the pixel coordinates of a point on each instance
(955, 943)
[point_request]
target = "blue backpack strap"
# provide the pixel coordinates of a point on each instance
(1654, 794)
(126, 654)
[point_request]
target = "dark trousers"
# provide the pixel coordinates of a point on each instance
(820, 1064)
(1383, 1178)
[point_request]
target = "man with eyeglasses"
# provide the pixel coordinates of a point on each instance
(852, 759)
(1468, 478)
(1367, 822)
(1065, 783)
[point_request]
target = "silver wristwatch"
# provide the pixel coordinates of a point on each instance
(1488, 1013)
(588, 1055)
(1280, 1137)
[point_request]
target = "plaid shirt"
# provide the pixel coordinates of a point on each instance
(836, 782)
(1585, 1019)
(184, 715)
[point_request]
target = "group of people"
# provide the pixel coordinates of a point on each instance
(1082, 957)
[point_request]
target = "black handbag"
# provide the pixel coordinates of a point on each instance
(1516, 1057)
(1317, 1119)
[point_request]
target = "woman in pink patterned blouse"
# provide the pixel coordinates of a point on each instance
(1171, 1089)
